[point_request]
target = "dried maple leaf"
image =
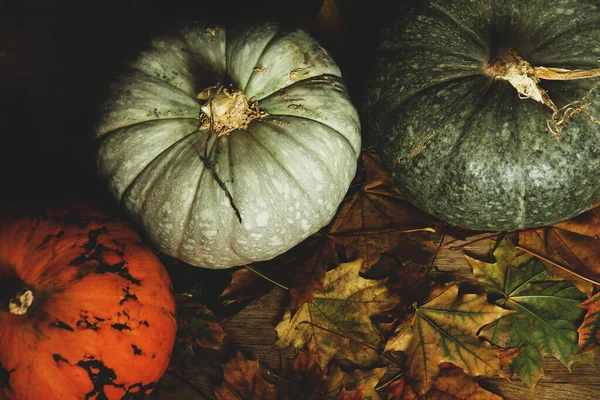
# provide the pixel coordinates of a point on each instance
(445, 330)
(376, 219)
(301, 270)
(352, 383)
(306, 380)
(242, 379)
(406, 279)
(452, 383)
(337, 320)
(401, 389)
(374, 171)
(197, 324)
(546, 310)
(589, 331)
(310, 278)
(572, 244)
(357, 394)
(506, 358)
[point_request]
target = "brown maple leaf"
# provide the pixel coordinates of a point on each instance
(374, 172)
(306, 380)
(405, 278)
(337, 320)
(401, 389)
(310, 277)
(445, 330)
(375, 218)
(570, 249)
(300, 270)
(197, 324)
(354, 382)
(452, 383)
(242, 379)
(356, 394)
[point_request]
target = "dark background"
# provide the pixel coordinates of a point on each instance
(57, 57)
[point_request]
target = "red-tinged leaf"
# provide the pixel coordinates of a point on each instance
(242, 379)
(452, 384)
(401, 389)
(364, 381)
(506, 358)
(357, 394)
(589, 331)
(306, 380)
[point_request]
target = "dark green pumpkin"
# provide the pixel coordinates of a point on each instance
(463, 145)
(285, 173)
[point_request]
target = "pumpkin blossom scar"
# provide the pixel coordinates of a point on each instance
(227, 109)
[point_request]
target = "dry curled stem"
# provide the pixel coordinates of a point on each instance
(225, 110)
(508, 65)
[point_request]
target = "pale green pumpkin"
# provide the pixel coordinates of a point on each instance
(286, 169)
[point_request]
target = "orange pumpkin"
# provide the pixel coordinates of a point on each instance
(87, 310)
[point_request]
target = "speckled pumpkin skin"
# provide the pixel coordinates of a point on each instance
(464, 147)
(102, 324)
(287, 173)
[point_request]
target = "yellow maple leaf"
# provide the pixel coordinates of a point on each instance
(445, 330)
(337, 320)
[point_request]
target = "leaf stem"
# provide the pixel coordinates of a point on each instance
(390, 381)
(267, 278)
(381, 231)
(462, 246)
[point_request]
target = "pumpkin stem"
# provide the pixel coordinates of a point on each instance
(227, 109)
(508, 65)
(15, 296)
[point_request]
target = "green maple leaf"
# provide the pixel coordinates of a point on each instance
(547, 310)
(337, 320)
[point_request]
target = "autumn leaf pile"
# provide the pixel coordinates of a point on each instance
(363, 312)
(365, 315)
